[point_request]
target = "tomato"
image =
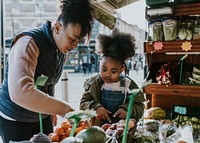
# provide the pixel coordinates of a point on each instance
(54, 137)
(63, 136)
(59, 131)
(83, 124)
(66, 124)
(78, 129)
(68, 131)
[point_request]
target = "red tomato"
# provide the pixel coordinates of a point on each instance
(68, 131)
(54, 137)
(59, 131)
(66, 124)
(63, 136)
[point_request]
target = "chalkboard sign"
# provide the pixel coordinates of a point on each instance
(184, 110)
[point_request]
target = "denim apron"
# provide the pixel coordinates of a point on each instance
(111, 100)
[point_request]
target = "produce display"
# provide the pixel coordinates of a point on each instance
(185, 33)
(64, 130)
(88, 134)
(170, 29)
(155, 31)
(115, 131)
(153, 128)
(194, 122)
(165, 131)
(195, 79)
(155, 113)
(94, 134)
(40, 138)
(175, 28)
(181, 29)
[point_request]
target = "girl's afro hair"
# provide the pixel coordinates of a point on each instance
(120, 46)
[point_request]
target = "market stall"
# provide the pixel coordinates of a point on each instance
(172, 52)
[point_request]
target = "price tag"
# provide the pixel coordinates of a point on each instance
(180, 110)
(186, 46)
(158, 46)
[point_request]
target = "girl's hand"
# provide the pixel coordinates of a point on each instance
(54, 120)
(121, 113)
(103, 114)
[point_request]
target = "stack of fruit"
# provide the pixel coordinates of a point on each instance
(156, 113)
(115, 130)
(64, 130)
(183, 120)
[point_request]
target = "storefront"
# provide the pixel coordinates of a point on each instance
(83, 54)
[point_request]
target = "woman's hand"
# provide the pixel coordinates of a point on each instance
(121, 113)
(54, 120)
(103, 114)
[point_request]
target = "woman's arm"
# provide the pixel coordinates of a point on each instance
(22, 64)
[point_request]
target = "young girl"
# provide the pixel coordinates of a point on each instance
(107, 92)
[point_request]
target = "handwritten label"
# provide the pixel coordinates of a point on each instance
(180, 110)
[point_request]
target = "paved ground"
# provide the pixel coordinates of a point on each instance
(74, 88)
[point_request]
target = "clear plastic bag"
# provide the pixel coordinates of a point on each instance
(170, 29)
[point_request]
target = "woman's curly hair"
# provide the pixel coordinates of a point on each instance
(76, 11)
(120, 46)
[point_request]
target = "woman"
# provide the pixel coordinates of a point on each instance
(37, 52)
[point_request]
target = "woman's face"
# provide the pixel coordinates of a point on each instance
(66, 37)
(110, 69)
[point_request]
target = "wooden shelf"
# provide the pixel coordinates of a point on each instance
(187, 9)
(172, 46)
(166, 96)
(173, 90)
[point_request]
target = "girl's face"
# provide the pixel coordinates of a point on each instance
(110, 69)
(66, 37)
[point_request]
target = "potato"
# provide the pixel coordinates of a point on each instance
(167, 121)
(109, 131)
(121, 126)
(105, 126)
(131, 124)
(113, 126)
(120, 131)
(122, 121)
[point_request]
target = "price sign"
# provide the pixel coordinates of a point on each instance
(158, 46)
(180, 110)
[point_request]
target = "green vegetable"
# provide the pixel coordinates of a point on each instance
(182, 33)
(194, 119)
(189, 34)
(94, 134)
(185, 33)
(71, 140)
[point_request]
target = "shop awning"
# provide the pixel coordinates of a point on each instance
(105, 10)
